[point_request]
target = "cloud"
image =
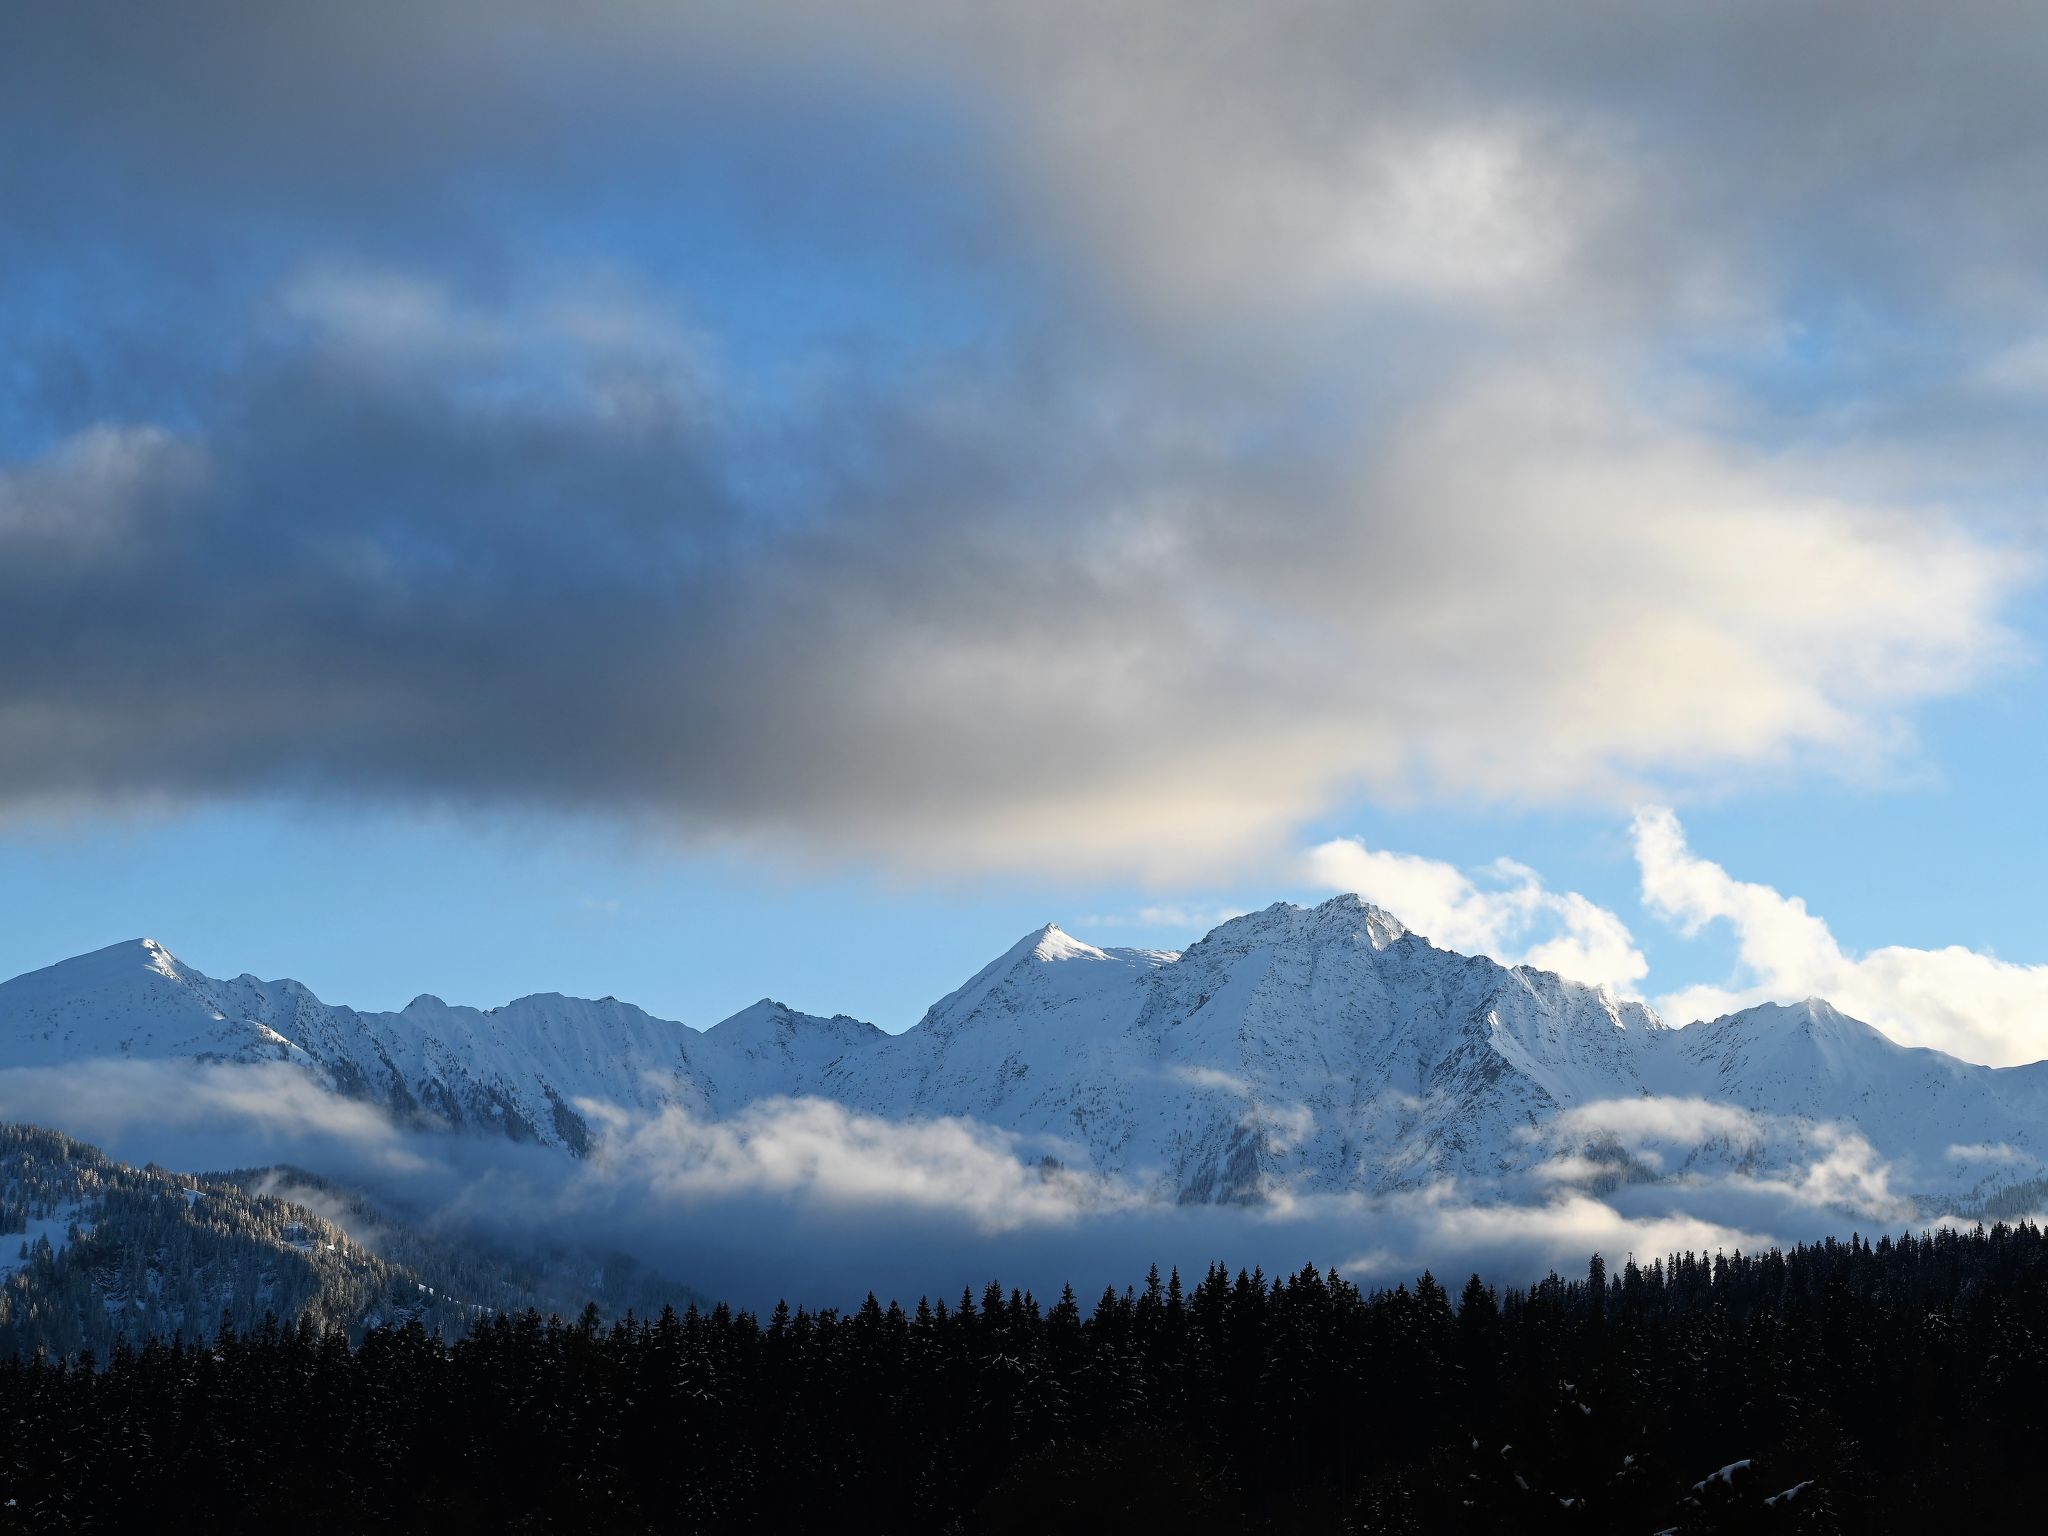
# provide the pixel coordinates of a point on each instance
(275, 1109)
(1846, 1174)
(1967, 1003)
(364, 1230)
(1282, 1126)
(82, 497)
(1687, 1122)
(1033, 442)
(1501, 918)
(1214, 1078)
(1564, 1232)
(814, 1148)
(801, 1198)
(1571, 1168)
(1816, 1165)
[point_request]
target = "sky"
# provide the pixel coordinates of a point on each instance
(694, 502)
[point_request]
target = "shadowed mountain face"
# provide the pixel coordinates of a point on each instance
(1321, 1049)
(93, 1251)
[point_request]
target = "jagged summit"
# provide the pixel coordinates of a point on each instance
(770, 1015)
(764, 1011)
(1342, 919)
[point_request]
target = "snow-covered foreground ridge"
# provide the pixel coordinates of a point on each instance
(1292, 1051)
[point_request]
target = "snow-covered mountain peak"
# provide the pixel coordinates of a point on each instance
(1819, 1013)
(1342, 920)
(766, 1011)
(1374, 924)
(1053, 943)
(768, 1017)
(769, 1048)
(1047, 968)
(158, 959)
(1810, 1019)
(129, 999)
(137, 966)
(126, 961)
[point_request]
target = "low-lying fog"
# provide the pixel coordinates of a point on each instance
(804, 1200)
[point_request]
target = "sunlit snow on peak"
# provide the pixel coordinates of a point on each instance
(159, 959)
(1055, 943)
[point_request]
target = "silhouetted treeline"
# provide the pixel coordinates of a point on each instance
(1885, 1386)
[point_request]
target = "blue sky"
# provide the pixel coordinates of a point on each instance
(696, 507)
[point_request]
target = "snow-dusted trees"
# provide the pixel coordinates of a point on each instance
(93, 1251)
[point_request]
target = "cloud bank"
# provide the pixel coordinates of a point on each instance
(801, 1198)
(1958, 1000)
(1196, 418)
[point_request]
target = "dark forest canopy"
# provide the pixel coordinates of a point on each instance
(1865, 1386)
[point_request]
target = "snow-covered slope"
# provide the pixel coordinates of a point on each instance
(93, 1250)
(515, 1070)
(1316, 1048)
(1363, 1056)
(1951, 1125)
(1041, 1040)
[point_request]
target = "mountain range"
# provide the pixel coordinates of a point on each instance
(1323, 1049)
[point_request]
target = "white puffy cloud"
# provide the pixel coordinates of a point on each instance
(1213, 1078)
(1970, 1004)
(955, 1187)
(264, 1109)
(1282, 1126)
(1562, 1232)
(1802, 1164)
(1686, 1122)
(1506, 911)
(1843, 1172)
(817, 1149)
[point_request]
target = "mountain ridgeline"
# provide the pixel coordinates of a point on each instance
(1317, 1049)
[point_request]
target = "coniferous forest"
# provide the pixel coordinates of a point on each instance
(93, 1251)
(1840, 1387)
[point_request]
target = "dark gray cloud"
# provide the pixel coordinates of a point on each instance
(1046, 440)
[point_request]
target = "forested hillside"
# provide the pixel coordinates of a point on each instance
(92, 1250)
(1841, 1387)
